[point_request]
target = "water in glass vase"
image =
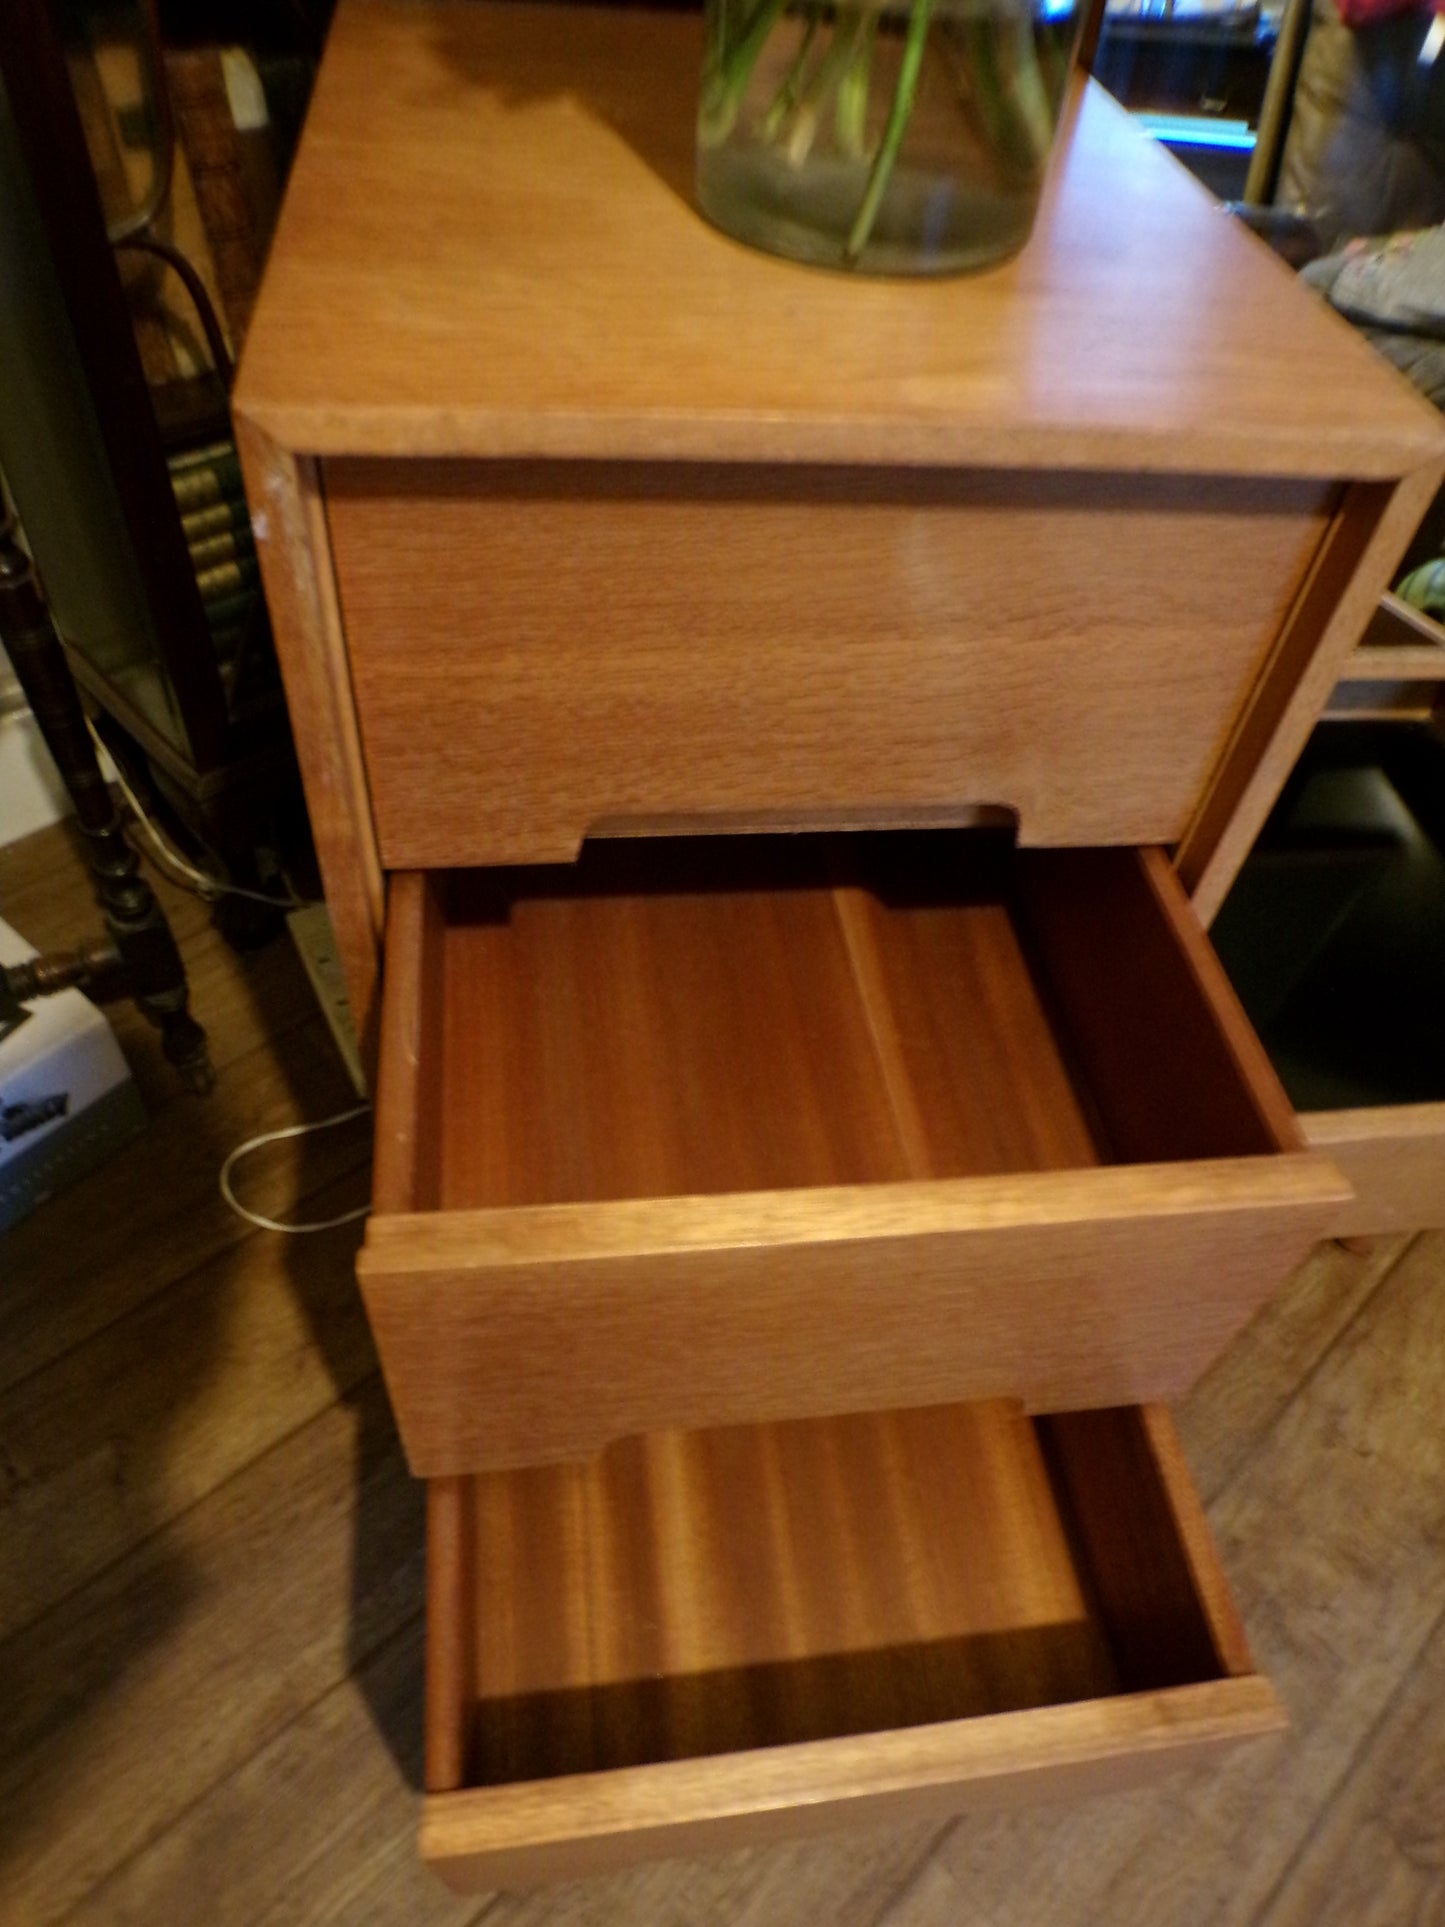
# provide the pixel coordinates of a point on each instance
(908, 137)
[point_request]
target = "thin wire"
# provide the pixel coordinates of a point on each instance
(195, 287)
(275, 1137)
(148, 45)
(171, 859)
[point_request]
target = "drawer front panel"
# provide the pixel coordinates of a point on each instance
(508, 1338)
(530, 1836)
(686, 1157)
(544, 650)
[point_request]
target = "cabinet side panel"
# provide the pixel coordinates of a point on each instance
(1335, 604)
(1394, 1157)
(291, 540)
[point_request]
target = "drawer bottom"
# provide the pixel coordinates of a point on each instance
(698, 1639)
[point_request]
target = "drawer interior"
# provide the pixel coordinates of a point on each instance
(699, 1016)
(685, 1597)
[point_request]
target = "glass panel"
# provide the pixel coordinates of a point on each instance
(55, 463)
(1195, 72)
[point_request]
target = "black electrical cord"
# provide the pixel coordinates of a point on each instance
(195, 287)
(136, 231)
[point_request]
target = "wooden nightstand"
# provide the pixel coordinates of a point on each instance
(741, 1196)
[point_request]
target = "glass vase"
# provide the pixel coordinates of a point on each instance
(908, 137)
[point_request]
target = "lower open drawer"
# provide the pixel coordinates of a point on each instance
(706, 1638)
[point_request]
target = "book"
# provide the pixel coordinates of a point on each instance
(229, 546)
(219, 518)
(227, 579)
(206, 477)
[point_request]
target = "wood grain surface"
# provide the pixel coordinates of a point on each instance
(791, 1126)
(694, 1593)
(451, 1647)
(1136, 984)
(591, 1825)
(508, 1338)
(445, 280)
(1396, 662)
(1351, 570)
(283, 492)
(542, 650)
(1393, 1156)
(1196, 1539)
(1342, 1607)
(275, 1063)
(394, 388)
(1377, 1856)
(698, 1632)
(406, 1172)
(272, 1630)
(86, 1443)
(1385, 701)
(1412, 636)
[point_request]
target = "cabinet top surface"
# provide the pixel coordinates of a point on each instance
(489, 247)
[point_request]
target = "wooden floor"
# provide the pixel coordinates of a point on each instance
(211, 1569)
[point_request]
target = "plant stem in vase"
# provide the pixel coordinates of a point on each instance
(893, 136)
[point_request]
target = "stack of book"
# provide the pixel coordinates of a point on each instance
(212, 504)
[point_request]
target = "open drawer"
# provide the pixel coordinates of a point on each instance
(709, 1638)
(718, 1130)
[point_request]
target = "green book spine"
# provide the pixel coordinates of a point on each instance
(207, 457)
(208, 476)
(227, 578)
(231, 545)
(198, 489)
(219, 519)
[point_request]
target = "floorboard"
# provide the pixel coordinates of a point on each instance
(169, 1672)
(1235, 1404)
(1331, 1534)
(155, 1213)
(211, 1569)
(1377, 1853)
(122, 1434)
